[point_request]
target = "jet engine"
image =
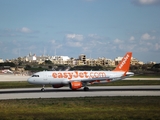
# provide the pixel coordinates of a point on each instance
(75, 85)
(57, 86)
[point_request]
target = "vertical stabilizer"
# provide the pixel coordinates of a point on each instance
(125, 63)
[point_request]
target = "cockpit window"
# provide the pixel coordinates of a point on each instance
(35, 75)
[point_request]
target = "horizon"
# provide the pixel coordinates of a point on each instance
(78, 56)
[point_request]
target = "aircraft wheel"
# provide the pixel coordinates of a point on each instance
(42, 89)
(86, 89)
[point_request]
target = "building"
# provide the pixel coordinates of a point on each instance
(134, 61)
(30, 58)
(1, 60)
(60, 59)
(82, 59)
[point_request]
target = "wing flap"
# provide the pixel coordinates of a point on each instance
(92, 79)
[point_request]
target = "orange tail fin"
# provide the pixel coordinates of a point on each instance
(125, 63)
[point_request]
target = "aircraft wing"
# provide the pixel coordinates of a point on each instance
(92, 79)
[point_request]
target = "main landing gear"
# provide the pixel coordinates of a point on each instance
(85, 88)
(43, 88)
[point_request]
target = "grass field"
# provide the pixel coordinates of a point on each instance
(24, 84)
(104, 108)
(146, 76)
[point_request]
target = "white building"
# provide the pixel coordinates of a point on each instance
(1, 60)
(60, 59)
(31, 57)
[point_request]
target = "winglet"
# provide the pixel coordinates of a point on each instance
(125, 63)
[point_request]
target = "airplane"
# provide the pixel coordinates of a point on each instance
(79, 79)
(6, 71)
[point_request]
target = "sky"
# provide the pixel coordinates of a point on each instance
(96, 28)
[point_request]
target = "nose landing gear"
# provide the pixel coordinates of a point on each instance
(43, 88)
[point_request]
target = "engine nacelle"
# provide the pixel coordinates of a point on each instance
(75, 85)
(57, 86)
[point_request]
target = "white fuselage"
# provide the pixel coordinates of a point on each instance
(64, 77)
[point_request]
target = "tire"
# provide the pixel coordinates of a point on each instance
(86, 89)
(42, 89)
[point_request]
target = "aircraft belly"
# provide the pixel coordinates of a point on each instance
(43, 82)
(56, 81)
(48, 81)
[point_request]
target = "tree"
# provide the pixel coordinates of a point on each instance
(48, 62)
(28, 67)
(50, 67)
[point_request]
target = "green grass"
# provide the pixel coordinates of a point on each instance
(17, 84)
(146, 76)
(104, 108)
(131, 82)
(24, 84)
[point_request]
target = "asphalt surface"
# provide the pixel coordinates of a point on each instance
(27, 93)
(11, 77)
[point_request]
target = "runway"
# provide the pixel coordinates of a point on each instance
(27, 93)
(12, 77)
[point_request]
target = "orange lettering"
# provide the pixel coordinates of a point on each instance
(76, 75)
(70, 75)
(102, 74)
(60, 75)
(91, 75)
(54, 75)
(81, 75)
(65, 75)
(96, 75)
(85, 73)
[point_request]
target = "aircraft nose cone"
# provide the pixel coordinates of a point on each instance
(29, 80)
